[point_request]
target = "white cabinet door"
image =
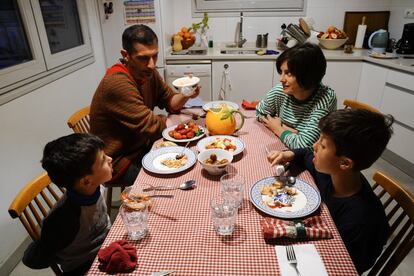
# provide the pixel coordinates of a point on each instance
(371, 86)
(343, 77)
(249, 80)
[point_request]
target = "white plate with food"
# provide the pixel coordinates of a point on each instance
(164, 160)
(209, 105)
(226, 142)
(184, 132)
(272, 197)
(383, 55)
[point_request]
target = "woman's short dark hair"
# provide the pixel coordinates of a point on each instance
(358, 134)
(138, 34)
(306, 62)
(69, 158)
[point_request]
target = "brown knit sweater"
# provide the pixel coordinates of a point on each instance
(122, 113)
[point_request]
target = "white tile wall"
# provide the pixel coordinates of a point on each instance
(324, 13)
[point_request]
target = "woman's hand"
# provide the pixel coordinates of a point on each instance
(290, 129)
(280, 157)
(274, 124)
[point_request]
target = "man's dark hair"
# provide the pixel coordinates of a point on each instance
(138, 34)
(358, 134)
(306, 62)
(69, 158)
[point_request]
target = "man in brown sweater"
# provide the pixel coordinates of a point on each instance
(122, 107)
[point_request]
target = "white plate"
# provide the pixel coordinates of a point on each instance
(185, 82)
(209, 105)
(383, 55)
(201, 145)
(152, 160)
(168, 137)
(306, 202)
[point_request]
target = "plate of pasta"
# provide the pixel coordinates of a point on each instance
(164, 160)
(275, 198)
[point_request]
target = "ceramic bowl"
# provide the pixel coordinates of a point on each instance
(215, 169)
(332, 44)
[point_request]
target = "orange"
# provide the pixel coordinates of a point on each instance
(184, 30)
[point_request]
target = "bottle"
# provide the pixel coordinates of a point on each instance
(177, 46)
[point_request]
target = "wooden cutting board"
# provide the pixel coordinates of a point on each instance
(374, 21)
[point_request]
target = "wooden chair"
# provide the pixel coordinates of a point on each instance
(399, 208)
(33, 203)
(358, 105)
(79, 121)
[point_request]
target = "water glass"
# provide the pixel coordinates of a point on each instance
(135, 220)
(232, 184)
(223, 214)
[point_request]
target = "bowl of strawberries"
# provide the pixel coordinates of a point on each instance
(184, 132)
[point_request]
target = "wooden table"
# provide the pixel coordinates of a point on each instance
(181, 236)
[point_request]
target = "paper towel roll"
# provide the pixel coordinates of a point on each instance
(360, 36)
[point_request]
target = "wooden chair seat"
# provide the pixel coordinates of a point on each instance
(33, 203)
(399, 208)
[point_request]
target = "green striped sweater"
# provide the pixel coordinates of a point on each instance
(303, 116)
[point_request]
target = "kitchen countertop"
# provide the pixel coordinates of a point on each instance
(401, 64)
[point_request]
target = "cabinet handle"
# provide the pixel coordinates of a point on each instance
(226, 66)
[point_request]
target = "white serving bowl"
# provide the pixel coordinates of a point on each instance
(215, 169)
(186, 84)
(332, 44)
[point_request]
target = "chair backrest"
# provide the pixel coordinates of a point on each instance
(399, 209)
(33, 203)
(348, 103)
(79, 121)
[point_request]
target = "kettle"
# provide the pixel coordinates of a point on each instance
(378, 41)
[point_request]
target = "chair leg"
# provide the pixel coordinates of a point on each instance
(109, 200)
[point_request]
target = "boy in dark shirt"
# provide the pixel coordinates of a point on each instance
(76, 228)
(351, 140)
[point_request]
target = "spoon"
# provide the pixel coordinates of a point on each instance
(181, 155)
(189, 184)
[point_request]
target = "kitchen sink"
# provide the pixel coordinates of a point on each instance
(239, 51)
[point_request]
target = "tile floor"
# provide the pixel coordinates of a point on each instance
(405, 268)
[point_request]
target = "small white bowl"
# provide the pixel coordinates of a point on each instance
(332, 44)
(215, 169)
(186, 81)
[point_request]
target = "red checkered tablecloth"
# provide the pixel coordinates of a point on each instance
(181, 236)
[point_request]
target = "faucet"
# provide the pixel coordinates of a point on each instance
(241, 40)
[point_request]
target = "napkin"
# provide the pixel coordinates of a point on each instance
(312, 227)
(309, 261)
(119, 256)
(196, 102)
(249, 105)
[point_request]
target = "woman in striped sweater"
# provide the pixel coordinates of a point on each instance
(293, 108)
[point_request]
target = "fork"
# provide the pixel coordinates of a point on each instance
(291, 257)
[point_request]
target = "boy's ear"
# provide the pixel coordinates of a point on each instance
(346, 163)
(85, 181)
(124, 54)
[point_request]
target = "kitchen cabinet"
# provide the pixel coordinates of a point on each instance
(249, 80)
(372, 84)
(398, 100)
(343, 77)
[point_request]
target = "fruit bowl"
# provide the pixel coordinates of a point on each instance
(332, 44)
(187, 42)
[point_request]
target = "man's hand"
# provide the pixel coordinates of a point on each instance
(195, 92)
(280, 157)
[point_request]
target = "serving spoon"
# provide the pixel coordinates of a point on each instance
(189, 184)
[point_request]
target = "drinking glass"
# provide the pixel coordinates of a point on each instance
(135, 218)
(232, 184)
(223, 214)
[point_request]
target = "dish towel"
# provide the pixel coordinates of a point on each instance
(309, 261)
(249, 105)
(312, 228)
(119, 256)
(225, 84)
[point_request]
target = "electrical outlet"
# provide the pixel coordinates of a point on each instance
(409, 13)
